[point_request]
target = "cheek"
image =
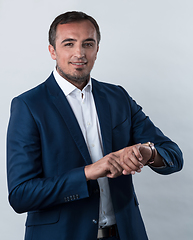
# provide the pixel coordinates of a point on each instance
(63, 55)
(63, 60)
(93, 57)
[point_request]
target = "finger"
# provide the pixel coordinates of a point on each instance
(116, 162)
(113, 172)
(111, 166)
(130, 172)
(118, 169)
(136, 156)
(130, 163)
(115, 169)
(137, 153)
(133, 159)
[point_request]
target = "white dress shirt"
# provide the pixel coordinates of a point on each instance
(83, 106)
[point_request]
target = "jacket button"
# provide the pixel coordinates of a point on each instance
(171, 164)
(77, 196)
(94, 221)
(73, 197)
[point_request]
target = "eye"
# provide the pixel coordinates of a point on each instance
(68, 44)
(88, 44)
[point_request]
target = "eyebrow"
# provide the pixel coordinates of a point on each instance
(74, 40)
(89, 40)
(68, 40)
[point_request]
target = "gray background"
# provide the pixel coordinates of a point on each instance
(147, 48)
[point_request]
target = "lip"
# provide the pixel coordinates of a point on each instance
(78, 64)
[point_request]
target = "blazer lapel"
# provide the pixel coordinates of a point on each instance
(61, 103)
(104, 115)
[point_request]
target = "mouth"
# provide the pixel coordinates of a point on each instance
(79, 64)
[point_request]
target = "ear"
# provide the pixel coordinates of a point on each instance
(52, 52)
(97, 48)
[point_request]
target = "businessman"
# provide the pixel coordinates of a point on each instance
(73, 144)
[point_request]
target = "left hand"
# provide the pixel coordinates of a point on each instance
(133, 158)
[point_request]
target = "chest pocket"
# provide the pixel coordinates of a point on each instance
(122, 135)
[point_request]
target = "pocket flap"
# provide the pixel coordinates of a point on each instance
(42, 217)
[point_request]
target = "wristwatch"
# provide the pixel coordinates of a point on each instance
(153, 151)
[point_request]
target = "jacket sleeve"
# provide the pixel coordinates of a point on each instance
(143, 130)
(29, 189)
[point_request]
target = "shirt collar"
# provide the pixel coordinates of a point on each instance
(68, 87)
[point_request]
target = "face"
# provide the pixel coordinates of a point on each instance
(75, 52)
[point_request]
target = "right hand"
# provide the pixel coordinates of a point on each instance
(107, 166)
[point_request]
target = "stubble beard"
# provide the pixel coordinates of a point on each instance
(74, 78)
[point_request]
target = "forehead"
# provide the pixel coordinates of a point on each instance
(76, 30)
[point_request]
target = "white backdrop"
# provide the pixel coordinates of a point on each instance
(147, 48)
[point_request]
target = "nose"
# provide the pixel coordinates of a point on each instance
(79, 52)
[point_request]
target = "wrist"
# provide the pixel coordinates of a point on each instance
(153, 153)
(86, 173)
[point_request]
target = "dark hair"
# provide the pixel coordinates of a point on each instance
(68, 17)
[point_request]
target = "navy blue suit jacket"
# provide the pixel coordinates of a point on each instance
(47, 154)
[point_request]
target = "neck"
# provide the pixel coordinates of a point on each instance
(80, 82)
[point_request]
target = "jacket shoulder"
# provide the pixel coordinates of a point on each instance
(109, 87)
(112, 90)
(101, 84)
(36, 93)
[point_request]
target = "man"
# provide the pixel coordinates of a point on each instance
(74, 144)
